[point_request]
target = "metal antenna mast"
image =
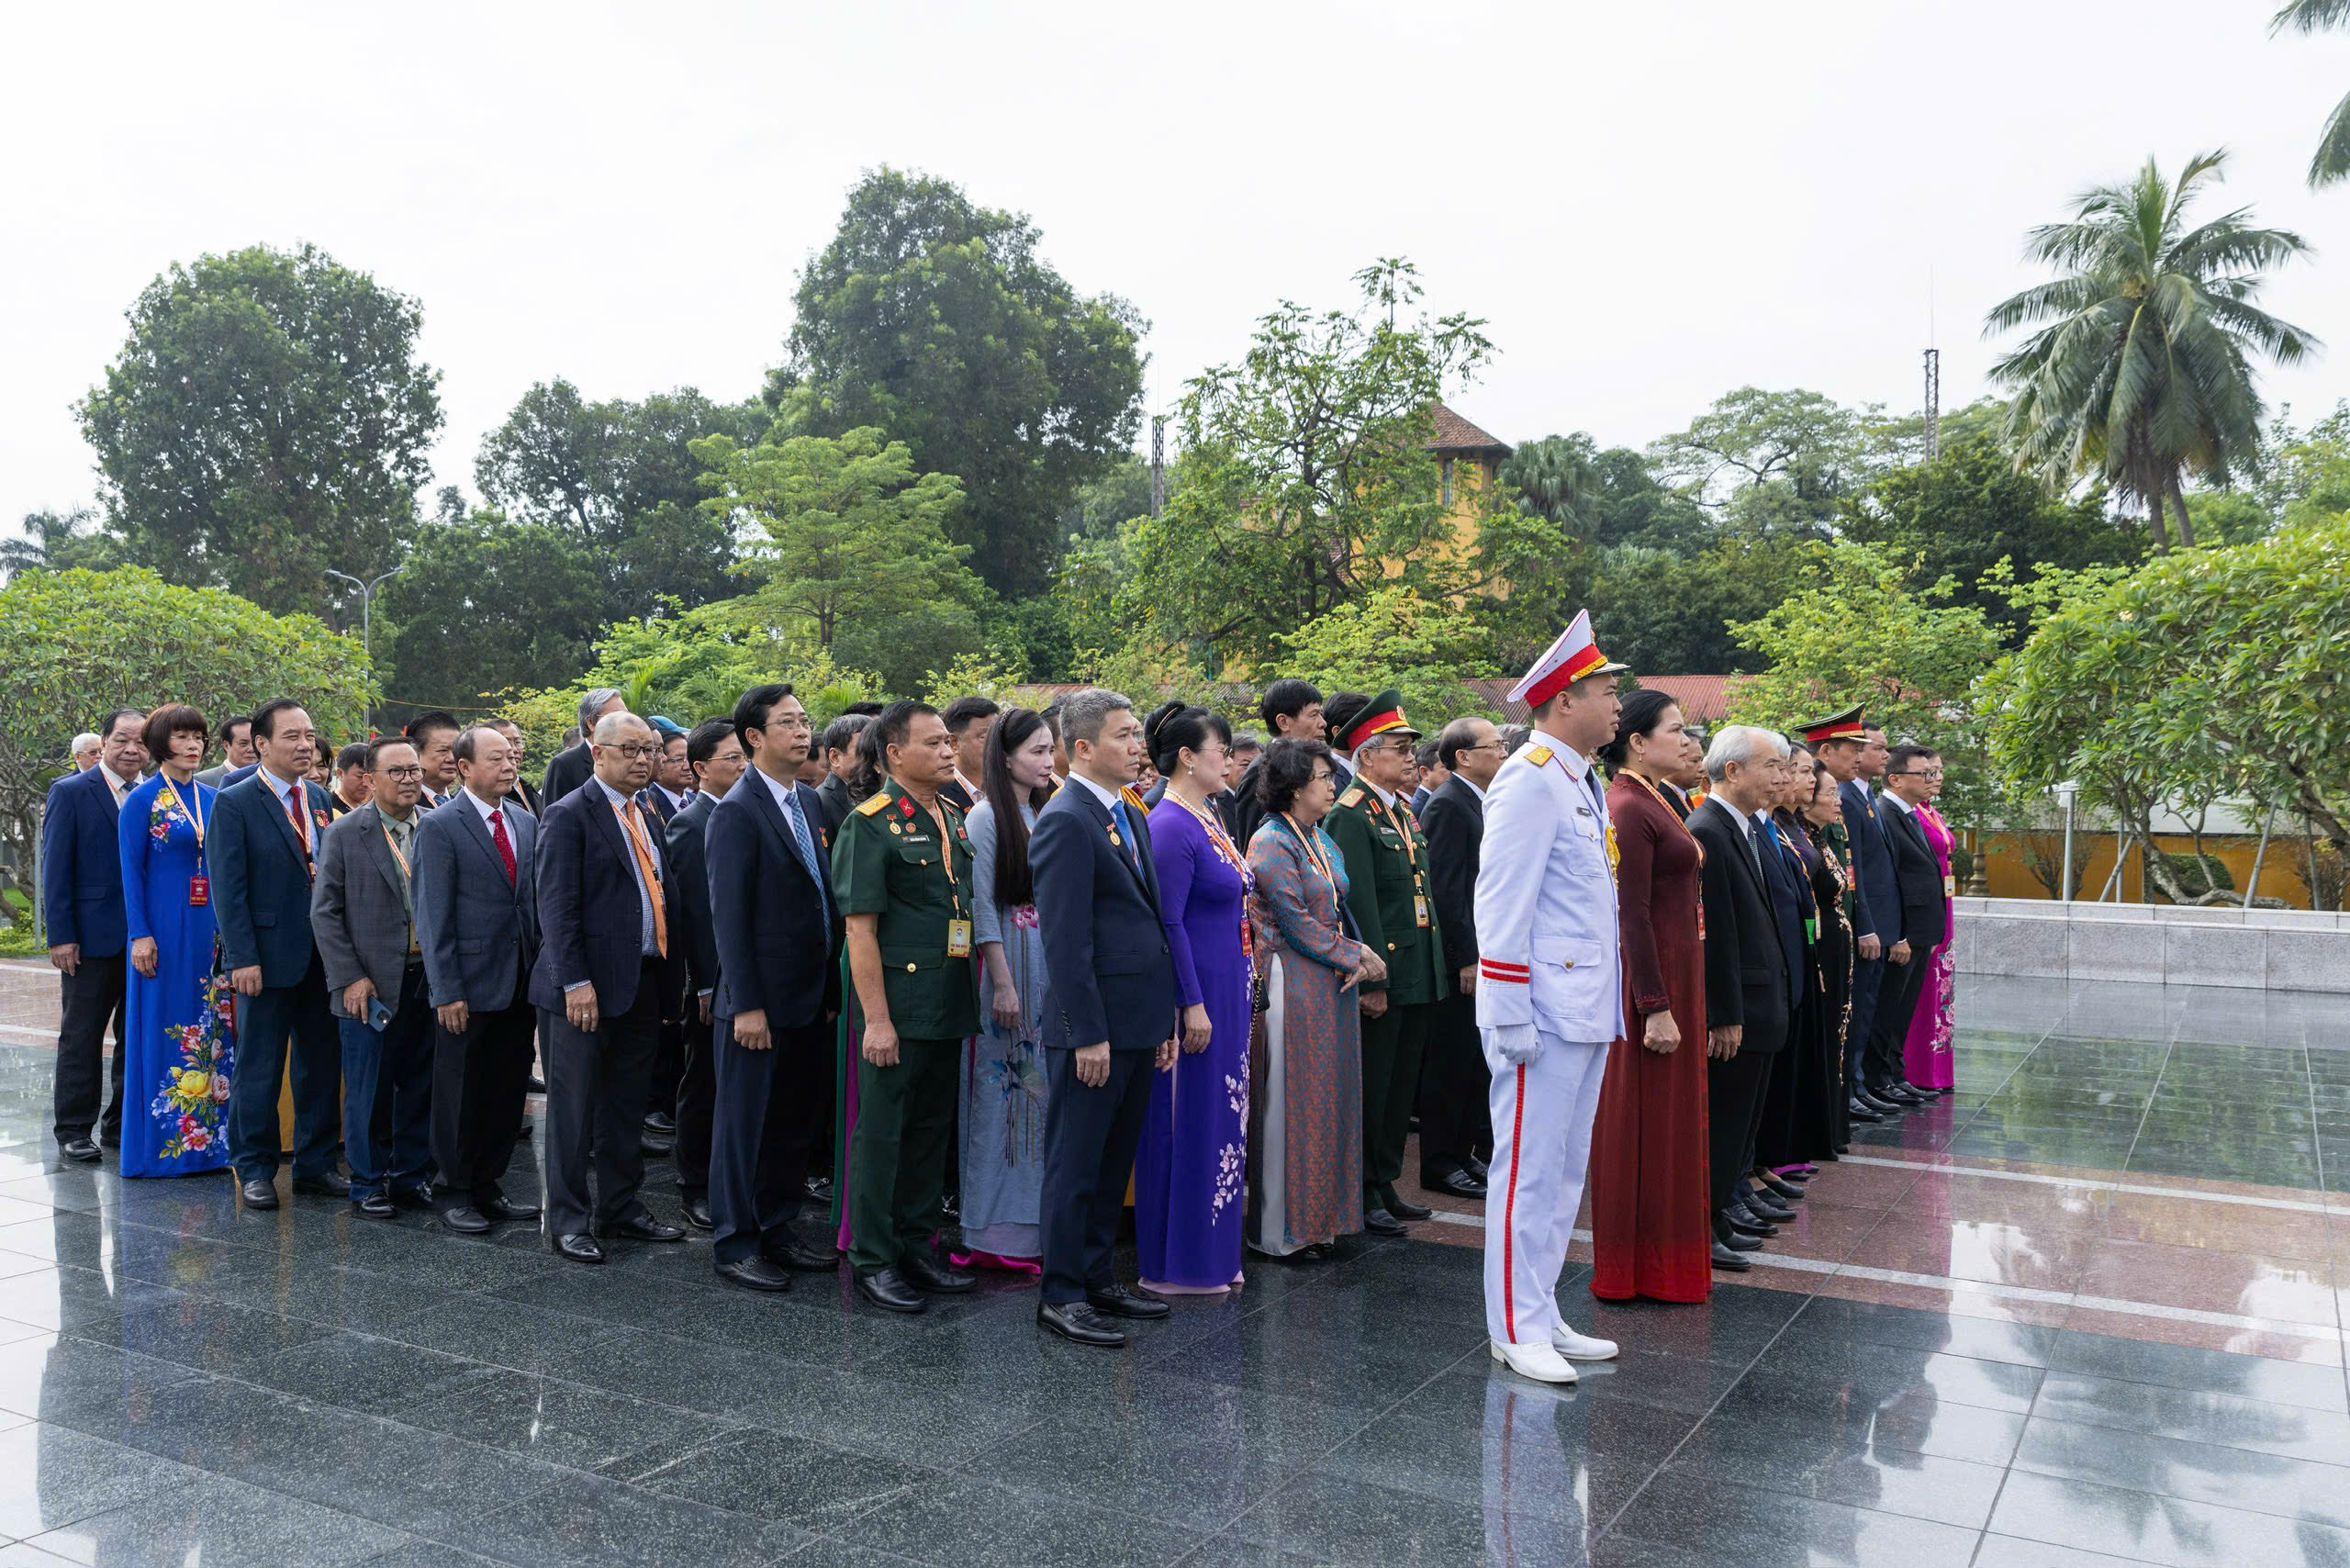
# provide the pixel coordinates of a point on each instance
(1933, 403)
(1158, 464)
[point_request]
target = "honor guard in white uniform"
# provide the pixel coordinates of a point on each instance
(1549, 996)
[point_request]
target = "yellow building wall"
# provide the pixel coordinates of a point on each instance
(2009, 873)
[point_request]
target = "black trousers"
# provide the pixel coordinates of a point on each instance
(1091, 1135)
(1734, 1097)
(597, 1084)
(1456, 1120)
(282, 1020)
(479, 1079)
(1896, 1000)
(93, 996)
(696, 1086)
(1868, 975)
(668, 1063)
(764, 1121)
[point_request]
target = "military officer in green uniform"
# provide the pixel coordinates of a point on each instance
(1390, 898)
(901, 870)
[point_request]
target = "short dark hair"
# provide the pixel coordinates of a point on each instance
(171, 718)
(1341, 709)
(374, 754)
(1456, 737)
(842, 732)
(863, 710)
(1286, 699)
(469, 739)
(1426, 755)
(1642, 712)
(965, 711)
(889, 727)
(431, 722)
(1052, 717)
(232, 723)
(751, 710)
(1872, 725)
(705, 737)
(1287, 768)
(1902, 755)
(1175, 727)
(265, 716)
(112, 716)
(355, 755)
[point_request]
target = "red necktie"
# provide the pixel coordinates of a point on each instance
(505, 844)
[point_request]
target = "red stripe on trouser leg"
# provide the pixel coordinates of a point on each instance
(1509, 1209)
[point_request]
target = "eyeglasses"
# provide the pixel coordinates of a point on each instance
(403, 773)
(1324, 776)
(1916, 773)
(633, 752)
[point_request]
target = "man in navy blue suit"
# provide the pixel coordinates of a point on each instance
(777, 931)
(263, 855)
(81, 878)
(1852, 750)
(612, 947)
(1097, 911)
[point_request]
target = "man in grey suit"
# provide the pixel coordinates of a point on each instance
(476, 923)
(361, 916)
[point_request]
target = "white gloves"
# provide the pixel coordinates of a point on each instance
(1511, 1044)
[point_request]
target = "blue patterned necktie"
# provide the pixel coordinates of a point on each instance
(807, 850)
(1126, 841)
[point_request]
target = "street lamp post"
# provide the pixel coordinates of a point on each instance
(2064, 793)
(367, 615)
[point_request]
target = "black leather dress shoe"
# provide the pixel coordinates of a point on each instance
(1075, 1320)
(925, 1272)
(412, 1197)
(656, 1146)
(887, 1289)
(260, 1194)
(756, 1273)
(579, 1247)
(819, 1188)
(1730, 1259)
(1860, 1113)
(1897, 1095)
(506, 1208)
(1786, 1189)
(662, 1123)
(534, 1084)
(465, 1220)
(375, 1205)
(1459, 1183)
(1797, 1174)
(808, 1258)
(695, 1209)
(1882, 1106)
(645, 1227)
(1727, 1234)
(1378, 1222)
(325, 1185)
(1742, 1223)
(1475, 1167)
(1404, 1208)
(1761, 1205)
(1119, 1302)
(84, 1149)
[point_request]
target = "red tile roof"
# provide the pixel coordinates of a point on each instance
(1454, 433)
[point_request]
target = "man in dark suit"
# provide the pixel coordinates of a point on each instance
(434, 734)
(572, 766)
(262, 853)
(1852, 750)
(477, 926)
(525, 793)
(80, 874)
(352, 774)
(660, 801)
(773, 917)
(673, 774)
(236, 752)
(1097, 910)
(715, 754)
(1748, 985)
(607, 907)
(968, 719)
(840, 756)
(361, 915)
(1454, 1080)
(1911, 773)
(1289, 707)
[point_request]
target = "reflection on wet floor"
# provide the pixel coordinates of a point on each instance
(2086, 1312)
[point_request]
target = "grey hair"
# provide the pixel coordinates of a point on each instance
(1083, 713)
(85, 738)
(591, 707)
(1740, 743)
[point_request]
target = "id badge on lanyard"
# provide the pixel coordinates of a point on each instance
(200, 891)
(958, 938)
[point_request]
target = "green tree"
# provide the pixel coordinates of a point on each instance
(849, 548)
(1306, 477)
(619, 480)
(1557, 479)
(485, 605)
(1959, 514)
(267, 418)
(57, 542)
(80, 642)
(2332, 160)
(1668, 614)
(1394, 637)
(1855, 631)
(1636, 508)
(936, 321)
(1769, 462)
(2143, 372)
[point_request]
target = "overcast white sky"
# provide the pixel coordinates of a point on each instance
(1653, 204)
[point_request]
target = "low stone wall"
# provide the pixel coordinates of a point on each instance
(2273, 949)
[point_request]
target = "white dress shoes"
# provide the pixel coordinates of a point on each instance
(1582, 1347)
(1539, 1362)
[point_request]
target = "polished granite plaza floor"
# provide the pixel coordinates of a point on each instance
(2084, 1312)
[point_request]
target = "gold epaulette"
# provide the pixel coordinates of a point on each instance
(1132, 796)
(1538, 755)
(876, 801)
(1351, 797)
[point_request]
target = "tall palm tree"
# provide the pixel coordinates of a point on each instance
(1556, 479)
(2333, 160)
(2143, 370)
(52, 541)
